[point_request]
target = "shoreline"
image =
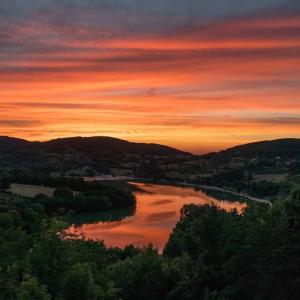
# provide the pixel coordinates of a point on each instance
(200, 186)
(215, 188)
(207, 187)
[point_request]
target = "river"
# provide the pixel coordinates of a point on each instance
(157, 212)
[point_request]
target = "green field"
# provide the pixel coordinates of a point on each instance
(30, 191)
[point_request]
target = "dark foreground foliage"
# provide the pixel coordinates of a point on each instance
(211, 254)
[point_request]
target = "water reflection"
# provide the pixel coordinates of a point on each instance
(157, 211)
(162, 202)
(159, 217)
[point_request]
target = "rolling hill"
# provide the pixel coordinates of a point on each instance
(10, 143)
(76, 152)
(285, 148)
(95, 146)
(90, 146)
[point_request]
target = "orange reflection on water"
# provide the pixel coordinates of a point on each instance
(157, 212)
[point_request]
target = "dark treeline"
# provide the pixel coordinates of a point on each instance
(240, 180)
(73, 193)
(97, 198)
(23, 176)
(211, 254)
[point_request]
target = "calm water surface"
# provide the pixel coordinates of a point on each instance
(157, 211)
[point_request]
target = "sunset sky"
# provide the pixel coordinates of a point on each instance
(194, 74)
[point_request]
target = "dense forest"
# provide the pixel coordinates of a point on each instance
(72, 194)
(211, 254)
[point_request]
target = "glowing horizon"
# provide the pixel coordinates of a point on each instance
(189, 75)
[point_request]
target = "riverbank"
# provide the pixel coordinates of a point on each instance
(207, 187)
(215, 188)
(196, 186)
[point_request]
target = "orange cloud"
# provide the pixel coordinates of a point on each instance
(199, 88)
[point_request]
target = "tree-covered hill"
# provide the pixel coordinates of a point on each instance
(102, 145)
(11, 144)
(77, 152)
(284, 148)
(90, 146)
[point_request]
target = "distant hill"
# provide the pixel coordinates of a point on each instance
(76, 152)
(10, 143)
(91, 146)
(103, 153)
(95, 146)
(287, 148)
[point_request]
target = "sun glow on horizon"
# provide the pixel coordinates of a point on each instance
(198, 87)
